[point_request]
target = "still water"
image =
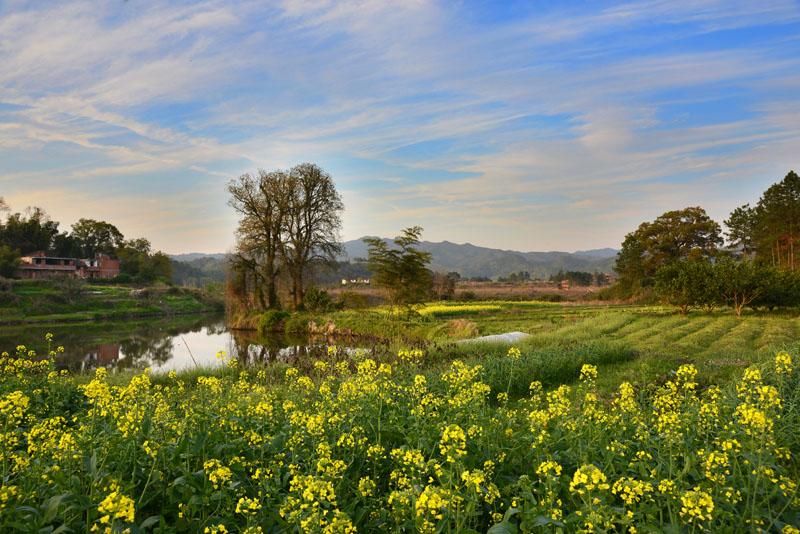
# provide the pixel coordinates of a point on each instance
(163, 344)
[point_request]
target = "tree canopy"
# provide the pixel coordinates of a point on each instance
(93, 237)
(676, 235)
(401, 269)
(769, 229)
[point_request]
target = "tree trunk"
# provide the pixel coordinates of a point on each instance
(294, 293)
(272, 295)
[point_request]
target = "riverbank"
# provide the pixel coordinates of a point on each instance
(69, 300)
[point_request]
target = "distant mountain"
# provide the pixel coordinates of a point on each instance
(469, 260)
(196, 255)
(598, 252)
(197, 270)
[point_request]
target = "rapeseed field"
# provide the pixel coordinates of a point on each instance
(362, 446)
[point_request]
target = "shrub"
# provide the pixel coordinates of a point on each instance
(71, 288)
(296, 324)
(122, 278)
(467, 295)
(7, 295)
(317, 300)
(550, 297)
(271, 321)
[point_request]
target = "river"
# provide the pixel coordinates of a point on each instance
(162, 344)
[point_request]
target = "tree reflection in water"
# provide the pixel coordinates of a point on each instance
(162, 344)
(252, 347)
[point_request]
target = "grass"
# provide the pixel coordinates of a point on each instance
(657, 337)
(46, 301)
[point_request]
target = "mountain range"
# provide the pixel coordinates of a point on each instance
(466, 259)
(469, 260)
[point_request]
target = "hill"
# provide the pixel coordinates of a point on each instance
(469, 260)
(197, 270)
(466, 259)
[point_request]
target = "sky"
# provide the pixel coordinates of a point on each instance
(516, 125)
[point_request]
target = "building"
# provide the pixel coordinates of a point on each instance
(37, 265)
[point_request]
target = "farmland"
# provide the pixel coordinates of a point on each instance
(607, 419)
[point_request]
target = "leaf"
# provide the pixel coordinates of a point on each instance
(506, 526)
(150, 521)
(544, 520)
(503, 527)
(50, 508)
(90, 464)
(182, 446)
(198, 444)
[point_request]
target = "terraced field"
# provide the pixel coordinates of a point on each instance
(658, 338)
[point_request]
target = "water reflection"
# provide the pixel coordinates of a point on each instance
(161, 344)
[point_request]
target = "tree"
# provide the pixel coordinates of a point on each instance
(778, 221)
(771, 227)
(262, 203)
(579, 278)
(674, 236)
(401, 269)
(93, 237)
(9, 261)
(313, 221)
(688, 284)
(65, 246)
(783, 291)
(136, 260)
(742, 282)
(34, 231)
(443, 286)
(741, 232)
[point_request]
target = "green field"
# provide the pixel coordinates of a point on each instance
(657, 338)
(42, 301)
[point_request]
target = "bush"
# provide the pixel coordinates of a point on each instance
(7, 295)
(317, 300)
(71, 288)
(550, 297)
(350, 300)
(297, 324)
(122, 278)
(467, 295)
(271, 321)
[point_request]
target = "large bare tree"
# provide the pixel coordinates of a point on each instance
(290, 225)
(261, 202)
(313, 222)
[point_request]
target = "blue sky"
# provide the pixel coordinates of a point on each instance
(518, 125)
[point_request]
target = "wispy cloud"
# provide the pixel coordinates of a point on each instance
(560, 126)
